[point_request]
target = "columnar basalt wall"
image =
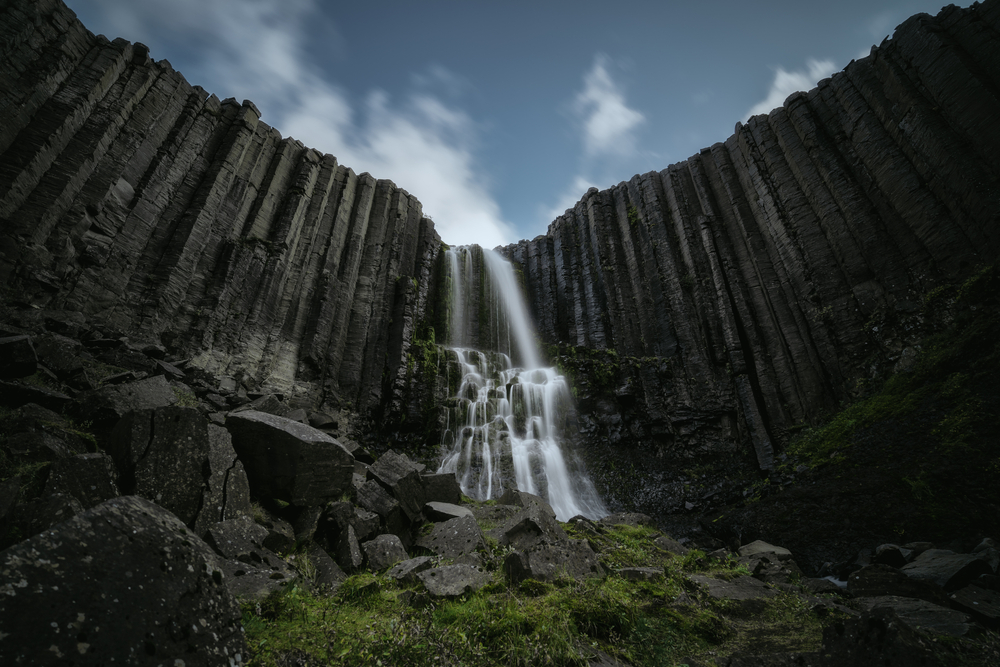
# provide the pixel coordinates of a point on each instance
(777, 271)
(152, 207)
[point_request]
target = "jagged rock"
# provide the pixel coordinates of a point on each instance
(90, 478)
(947, 569)
(17, 357)
(453, 538)
(374, 498)
(107, 405)
(436, 512)
(442, 488)
(268, 403)
(280, 534)
(60, 354)
(383, 552)
(406, 572)
(922, 615)
(771, 568)
(83, 591)
(251, 570)
(339, 515)
(306, 522)
(401, 477)
(288, 460)
(535, 524)
(329, 576)
(168, 370)
(452, 581)
(40, 445)
(549, 562)
(348, 550)
(298, 415)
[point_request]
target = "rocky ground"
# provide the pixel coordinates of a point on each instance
(207, 515)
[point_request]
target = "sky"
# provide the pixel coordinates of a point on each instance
(497, 115)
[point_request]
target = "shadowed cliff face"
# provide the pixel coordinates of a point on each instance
(755, 286)
(152, 207)
(780, 270)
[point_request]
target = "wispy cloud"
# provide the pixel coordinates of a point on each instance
(785, 83)
(568, 199)
(254, 49)
(608, 123)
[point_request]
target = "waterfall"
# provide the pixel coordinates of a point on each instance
(507, 417)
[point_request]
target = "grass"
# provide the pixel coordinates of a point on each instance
(372, 620)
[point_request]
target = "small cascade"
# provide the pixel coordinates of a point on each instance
(508, 414)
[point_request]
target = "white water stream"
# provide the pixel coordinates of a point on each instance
(506, 426)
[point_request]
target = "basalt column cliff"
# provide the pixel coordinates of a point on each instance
(764, 281)
(152, 207)
(756, 285)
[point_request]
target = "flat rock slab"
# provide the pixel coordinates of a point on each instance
(740, 588)
(760, 547)
(452, 581)
(549, 562)
(105, 406)
(383, 552)
(982, 603)
(454, 538)
(288, 460)
(670, 545)
(947, 569)
(407, 571)
(921, 615)
(642, 573)
(123, 583)
(437, 511)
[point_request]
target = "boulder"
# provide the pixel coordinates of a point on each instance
(549, 562)
(436, 511)
(452, 581)
(40, 514)
(168, 455)
(288, 460)
(374, 498)
(401, 477)
(328, 575)
(760, 547)
(17, 357)
(454, 538)
(642, 573)
(383, 552)
(882, 580)
(441, 487)
(15, 394)
(947, 569)
(743, 590)
(252, 571)
(107, 405)
(921, 615)
(982, 603)
(892, 555)
(90, 478)
(533, 525)
(123, 583)
(406, 572)
(670, 545)
(348, 551)
(268, 403)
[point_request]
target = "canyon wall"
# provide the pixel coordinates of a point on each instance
(153, 208)
(764, 281)
(704, 309)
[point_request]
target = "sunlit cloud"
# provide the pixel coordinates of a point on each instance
(254, 49)
(568, 199)
(608, 123)
(785, 83)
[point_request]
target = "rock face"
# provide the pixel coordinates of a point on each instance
(120, 584)
(151, 206)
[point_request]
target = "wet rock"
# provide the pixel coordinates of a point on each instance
(634, 519)
(288, 460)
(383, 552)
(454, 538)
(122, 583)
(17, 357)
(882, 580)
(406, 572)
(442, 488)
(549, 562)
(452, 581)
(947, 569)
(922, 615)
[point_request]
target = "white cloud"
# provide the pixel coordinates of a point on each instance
(608, 123)
(254, 49)
(785, 83)
(567, 199)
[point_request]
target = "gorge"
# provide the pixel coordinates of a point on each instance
(681, 328)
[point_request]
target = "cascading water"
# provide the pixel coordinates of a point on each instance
(506, 419)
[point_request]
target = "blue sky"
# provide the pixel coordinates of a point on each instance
(499, 115)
